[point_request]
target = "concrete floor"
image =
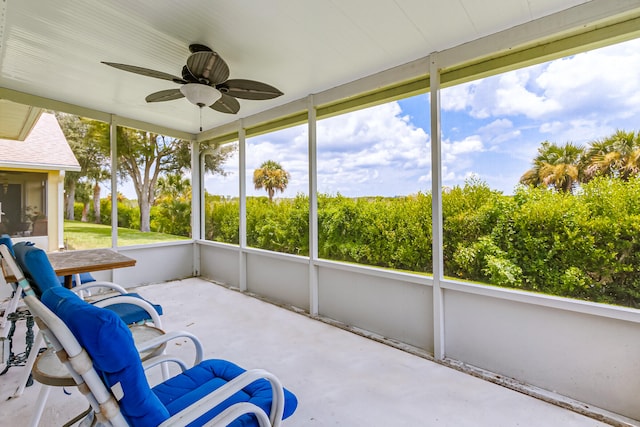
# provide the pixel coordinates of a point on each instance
(340, 379)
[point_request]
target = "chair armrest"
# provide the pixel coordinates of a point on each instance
(126, 299)
(237, 410)
(100, 284)
(216, 397)
(156, 360)
(163, 339)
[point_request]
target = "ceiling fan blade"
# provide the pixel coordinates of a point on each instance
(226, 104)
(145, 72)
(248, 89)
(197, 47)
(186, 75)
(165, 95)
(208, 67)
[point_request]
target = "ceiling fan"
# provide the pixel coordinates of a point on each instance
(205, 83)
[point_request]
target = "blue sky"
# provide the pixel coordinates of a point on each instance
(491, 129)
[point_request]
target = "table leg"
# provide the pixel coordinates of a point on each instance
(26, 374)
(68, 281)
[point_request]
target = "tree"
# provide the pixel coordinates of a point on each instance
(271, 177)
(556, 166)
(616, 156)
(99, 132)
(143, 157)
(83, 195)
(172, 211)
(86, 139)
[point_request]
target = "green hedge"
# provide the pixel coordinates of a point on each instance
(584, 246)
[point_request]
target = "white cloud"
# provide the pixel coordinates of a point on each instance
(605, 80)
(512, 97)
(499, 131)
(470, 144)
(376, 151)
(601, 79)
(458, 98)
(505, 95)
(370, 150)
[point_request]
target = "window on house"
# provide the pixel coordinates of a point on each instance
(23, 203)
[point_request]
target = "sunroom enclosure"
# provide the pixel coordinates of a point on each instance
(577, 353)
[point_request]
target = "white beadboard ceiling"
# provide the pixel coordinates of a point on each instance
(53, 48)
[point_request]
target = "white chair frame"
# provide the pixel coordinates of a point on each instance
(105, 405)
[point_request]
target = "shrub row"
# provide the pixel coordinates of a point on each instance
(584, 246)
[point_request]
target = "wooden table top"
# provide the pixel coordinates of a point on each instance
(88, 260)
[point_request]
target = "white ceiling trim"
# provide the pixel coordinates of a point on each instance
(561, 24)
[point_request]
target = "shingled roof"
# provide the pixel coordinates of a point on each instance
(46, 148)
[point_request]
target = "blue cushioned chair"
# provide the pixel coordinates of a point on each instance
(215, 391)
(137, 309)
(130, 307)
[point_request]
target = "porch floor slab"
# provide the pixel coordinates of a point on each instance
(340, 378)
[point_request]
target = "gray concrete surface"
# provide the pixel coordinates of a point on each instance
(340, 378)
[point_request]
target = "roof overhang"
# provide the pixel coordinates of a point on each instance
(329, 56)
(17, 119)
(37, 167)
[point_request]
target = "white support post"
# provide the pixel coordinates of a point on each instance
(61, 209)
(201, 160)
(436, 208)
(113, 141)
(242, 167)
(196, 203)
(313, 208)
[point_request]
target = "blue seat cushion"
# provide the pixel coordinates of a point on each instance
(109, 343)
(130, 313)
(183, 390)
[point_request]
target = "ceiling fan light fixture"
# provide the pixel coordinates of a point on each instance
(200, 94)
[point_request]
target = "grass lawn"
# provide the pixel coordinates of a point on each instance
(83, 235)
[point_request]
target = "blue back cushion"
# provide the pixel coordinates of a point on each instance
(6, 240)
(36, 267)
(110, 344)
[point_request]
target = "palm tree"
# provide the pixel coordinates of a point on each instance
(555, 166)
(616, 156)
(271, 177)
